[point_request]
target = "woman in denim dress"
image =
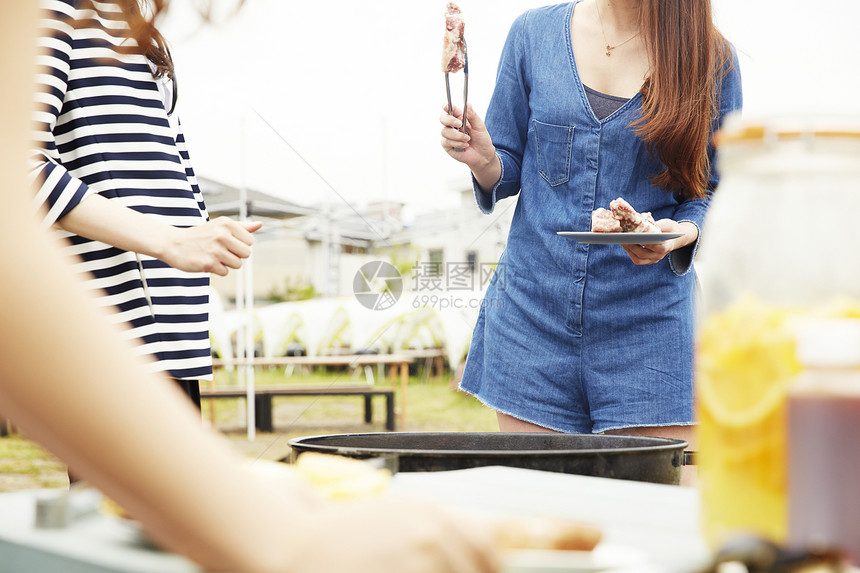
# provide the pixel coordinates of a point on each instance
(596, 100)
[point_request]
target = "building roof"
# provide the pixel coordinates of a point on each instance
(225, 200)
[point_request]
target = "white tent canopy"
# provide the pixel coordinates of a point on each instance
(325, 326)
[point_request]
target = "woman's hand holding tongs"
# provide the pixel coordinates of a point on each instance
(474, 148)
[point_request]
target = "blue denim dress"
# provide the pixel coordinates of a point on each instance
(575, 337)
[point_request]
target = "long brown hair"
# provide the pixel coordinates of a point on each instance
(140, 16)
(688, 58)
(150, 41)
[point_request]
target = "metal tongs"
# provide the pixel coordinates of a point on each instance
(465, 88)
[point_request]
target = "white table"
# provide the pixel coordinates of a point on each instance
(656, 525)
(96, 544)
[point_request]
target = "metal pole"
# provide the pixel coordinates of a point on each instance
(245, 297)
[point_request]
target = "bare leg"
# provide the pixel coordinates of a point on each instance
(675, 432)
(689, 474)
(510, 424)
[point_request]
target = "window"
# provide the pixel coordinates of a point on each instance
(437, 259)
(472, 260)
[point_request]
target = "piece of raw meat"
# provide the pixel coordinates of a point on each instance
(603, 221)
(453, 49)
(630, 220)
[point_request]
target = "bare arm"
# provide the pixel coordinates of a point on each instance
(190, 493)
(44, 310)
(475, 147)
(214, 247)
(650, 254)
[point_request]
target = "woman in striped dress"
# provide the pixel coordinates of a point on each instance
(112, 172)
(195, 497)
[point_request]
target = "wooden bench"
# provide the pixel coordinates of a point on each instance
(263, 399)
(399, 368)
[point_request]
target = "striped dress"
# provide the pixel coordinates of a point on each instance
(101, 127)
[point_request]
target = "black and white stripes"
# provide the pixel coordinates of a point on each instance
(101, 127)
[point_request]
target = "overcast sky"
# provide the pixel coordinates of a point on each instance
(340, 100)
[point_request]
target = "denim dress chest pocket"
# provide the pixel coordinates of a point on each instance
(554, 145)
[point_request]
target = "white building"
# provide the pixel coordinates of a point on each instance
(317, 250)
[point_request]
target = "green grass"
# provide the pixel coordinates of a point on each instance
(430, 407)
(25, 465)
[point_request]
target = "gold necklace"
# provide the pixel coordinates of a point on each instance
(608, 47)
